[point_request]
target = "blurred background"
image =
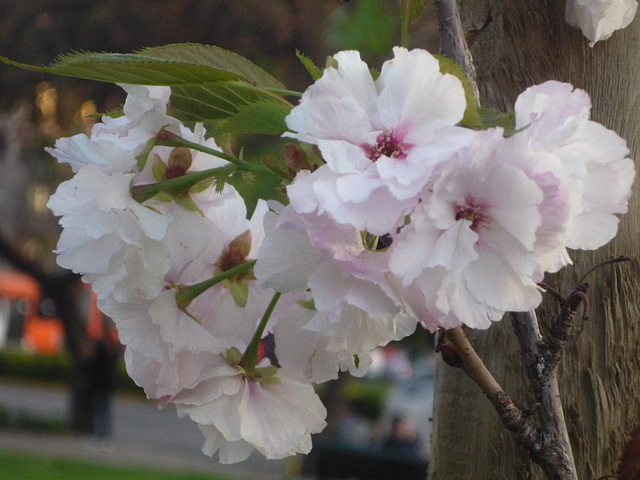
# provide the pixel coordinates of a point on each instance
(63, 389)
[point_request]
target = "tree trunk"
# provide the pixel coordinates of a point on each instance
(527, 43)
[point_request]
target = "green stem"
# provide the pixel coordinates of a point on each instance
(169, 139)
(250, 356)
(186, 294)
(142, 193)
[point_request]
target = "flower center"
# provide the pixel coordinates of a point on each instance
(473, 213)
(388, 144)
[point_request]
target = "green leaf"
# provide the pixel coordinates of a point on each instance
(471, 116)
(178, 64)
(208, 83)
(410, 11)
(216, 101)
(308, 64)
(215, 57)
(278, 166)
(263, 117)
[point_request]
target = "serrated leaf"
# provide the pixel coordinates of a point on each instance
(308, 64)
(177, 64)
(208, 83)
(216, 57)
(471, 116)
(263, 117)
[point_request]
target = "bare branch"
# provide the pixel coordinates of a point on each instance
(554, 455)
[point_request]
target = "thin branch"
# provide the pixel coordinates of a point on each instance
(511, 416)
(554, 454)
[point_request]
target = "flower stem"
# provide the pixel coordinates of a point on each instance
(186, 294)
(169, 139)
(250, 356)
(142, 193)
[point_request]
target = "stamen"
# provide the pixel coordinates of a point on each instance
(473, 213)
(389, 144)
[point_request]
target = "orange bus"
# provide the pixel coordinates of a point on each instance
(39, 333)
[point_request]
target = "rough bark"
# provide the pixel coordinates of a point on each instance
(528, 42)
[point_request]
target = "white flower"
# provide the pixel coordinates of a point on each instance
(145, 114)
(598, 19)
(115, 242)
(115, 142)
(381, 139)
(353, 297)
(468, 254)
(270, 411)
(590, 159)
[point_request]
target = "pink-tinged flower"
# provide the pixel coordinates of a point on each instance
(381, 138)
(353, 298)
(469, 253)
(598, 19)
(591, 160)
(237, 414)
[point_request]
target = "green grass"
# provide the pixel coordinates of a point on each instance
(18, 466)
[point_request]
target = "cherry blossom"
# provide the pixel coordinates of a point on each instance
(353, 297)
(381, 138)
(270, 411)
(592, 160)
(468, 254)
(598, 19)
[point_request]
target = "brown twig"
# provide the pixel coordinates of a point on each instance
(545, 446)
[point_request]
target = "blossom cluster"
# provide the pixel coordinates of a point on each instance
(444, 223)
(139, 258)
(411, 219)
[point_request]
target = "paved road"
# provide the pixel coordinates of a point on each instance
(143, 435)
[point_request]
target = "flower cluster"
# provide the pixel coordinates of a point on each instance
(414, 215)
(145, 258)
(411, 218)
